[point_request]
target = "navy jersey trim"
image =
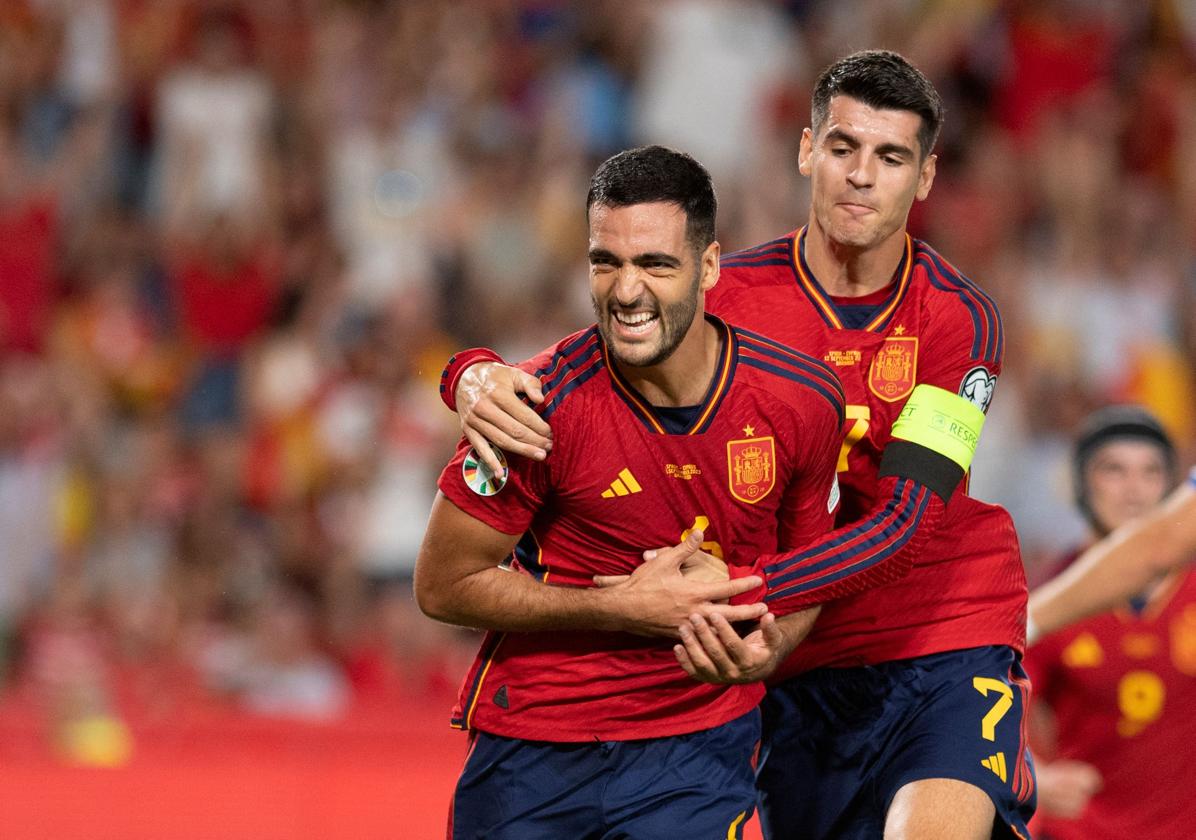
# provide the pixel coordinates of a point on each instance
(527, 552)
(716, 392)
(569, 368)
(826, 307)
(988, 343)
(793, 365)
(485, 660)
(775, 252)
(856, 551)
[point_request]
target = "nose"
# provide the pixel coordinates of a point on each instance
(862, 175)
(629, 285)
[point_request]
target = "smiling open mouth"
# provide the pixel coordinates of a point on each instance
(636, 321)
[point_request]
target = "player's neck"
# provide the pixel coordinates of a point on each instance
(844, 271)
(684, 377)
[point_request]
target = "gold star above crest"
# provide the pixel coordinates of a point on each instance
(900, 330)
(749, 430)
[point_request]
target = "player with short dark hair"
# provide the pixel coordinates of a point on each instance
(881, 80)
(672, 423)
(1119, 686)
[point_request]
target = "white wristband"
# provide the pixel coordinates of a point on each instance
(1032, 632)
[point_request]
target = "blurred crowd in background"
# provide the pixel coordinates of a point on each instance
(239, 239)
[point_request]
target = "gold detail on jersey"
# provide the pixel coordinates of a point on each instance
(1140, 645)
(900, 330)
(751, 468)
(861, 418)
(996, 763)
(702, 523)
(894, 368)
(685, 471)
(1140, 697)
(1083, 652)
(624, 485)
(749, 430)
(843, 358)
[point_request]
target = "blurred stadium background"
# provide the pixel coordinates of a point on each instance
(239, 239)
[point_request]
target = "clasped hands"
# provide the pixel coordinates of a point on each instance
(682, 593)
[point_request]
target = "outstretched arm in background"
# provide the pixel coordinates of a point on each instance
(1120, 565)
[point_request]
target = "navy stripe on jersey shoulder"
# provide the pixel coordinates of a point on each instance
(835, 400)
(565, 351)
(570, 366)
(781, 243)
(989, 341)
(758, 263)
(549, 407)
(797, 361)
(775, 252)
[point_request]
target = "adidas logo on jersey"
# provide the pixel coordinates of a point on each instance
(996, 763)
(624, 485)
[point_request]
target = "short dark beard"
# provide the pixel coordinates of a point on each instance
(675, 321)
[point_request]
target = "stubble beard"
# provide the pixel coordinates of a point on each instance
(673, 323)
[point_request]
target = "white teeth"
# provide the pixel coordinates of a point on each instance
(635, 320)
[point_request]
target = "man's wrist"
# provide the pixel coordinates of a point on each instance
(608, 608)
(450, 377)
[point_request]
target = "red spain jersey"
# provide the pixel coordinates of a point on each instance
(754, 469)
(967, 587)
(1122, 686)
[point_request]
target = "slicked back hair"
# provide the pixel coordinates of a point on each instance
(880, 79)
(656, 173)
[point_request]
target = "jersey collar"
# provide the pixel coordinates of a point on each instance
(826, 306)
(720, 383)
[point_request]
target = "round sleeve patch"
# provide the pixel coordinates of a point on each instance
(977, 387)
(479, 477)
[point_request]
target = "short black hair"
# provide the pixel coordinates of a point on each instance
(656, 173)
(880, 79)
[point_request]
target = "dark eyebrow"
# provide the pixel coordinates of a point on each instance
(650, 258)
(656, 257)
(841, 136)
(895, 149)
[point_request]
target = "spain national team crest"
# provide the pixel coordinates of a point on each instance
(894, 368)
(751, 468)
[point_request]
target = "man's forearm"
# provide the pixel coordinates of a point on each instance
(1118, 567)
(506, 600)
(794, 628)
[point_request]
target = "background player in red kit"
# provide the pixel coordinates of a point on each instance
(889, 717)
(1121, 564)
(1119, 686)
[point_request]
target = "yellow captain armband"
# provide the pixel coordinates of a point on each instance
(943, 422)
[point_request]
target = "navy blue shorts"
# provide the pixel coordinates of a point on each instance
(838, 743)
(699, 785)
